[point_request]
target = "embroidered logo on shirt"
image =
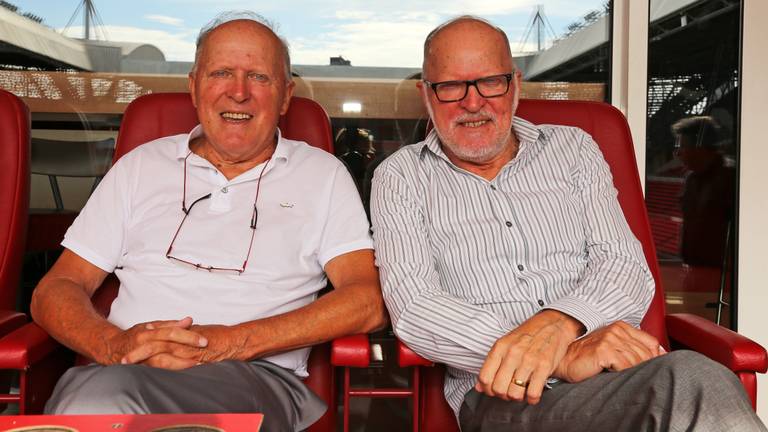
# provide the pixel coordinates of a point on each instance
(286, 205)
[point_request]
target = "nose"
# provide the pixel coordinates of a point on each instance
(473, 101)
(239, 90)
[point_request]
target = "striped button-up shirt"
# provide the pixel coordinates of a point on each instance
(464, 260)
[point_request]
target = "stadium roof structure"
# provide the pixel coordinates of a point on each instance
(584, 48)
(27, 44)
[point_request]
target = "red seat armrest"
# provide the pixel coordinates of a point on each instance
(734, 351)
(407, 357)
(25, 346)
(351, 351)
(10, 320)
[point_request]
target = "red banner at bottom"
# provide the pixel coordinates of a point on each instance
(133, 423)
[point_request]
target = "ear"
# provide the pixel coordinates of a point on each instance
(289, 88)
(424, 92)
(518, 79)
(191, 85)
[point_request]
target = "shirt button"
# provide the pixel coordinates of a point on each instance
(224, 189)
(520, 267)
(541, 302)
(493, 187)
(509, 224)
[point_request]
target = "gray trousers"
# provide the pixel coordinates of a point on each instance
(224, 387)
(679, 391)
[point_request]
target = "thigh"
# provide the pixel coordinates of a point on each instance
(682, 390)
(222, 387)
(602, 403)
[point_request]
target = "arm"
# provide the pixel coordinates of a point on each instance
(61, 305)
(93, 247)
(435, 324)
(353, 306)
(616, 284)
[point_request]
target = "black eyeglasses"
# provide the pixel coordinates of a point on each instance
(186, 210)
(488, 87)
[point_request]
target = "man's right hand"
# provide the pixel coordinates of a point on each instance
(519, 363)
(170, 340)
(614, 347)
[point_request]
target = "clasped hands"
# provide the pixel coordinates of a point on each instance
(174, 344)
(520, 363)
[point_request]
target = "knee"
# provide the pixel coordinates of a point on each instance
(695, 364)
(101, 390)
(697, 373)
(702, 394)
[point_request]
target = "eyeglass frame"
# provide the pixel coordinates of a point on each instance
(186, 210)
(467, 83)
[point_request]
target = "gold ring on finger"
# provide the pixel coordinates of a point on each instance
(519, 382)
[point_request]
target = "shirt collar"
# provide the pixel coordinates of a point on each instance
(526, 131)
(283, 151)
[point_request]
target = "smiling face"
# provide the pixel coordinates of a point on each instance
(240, 88)
(476, 130)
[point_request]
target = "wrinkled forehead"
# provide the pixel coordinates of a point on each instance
(464, 43)
(246, 35)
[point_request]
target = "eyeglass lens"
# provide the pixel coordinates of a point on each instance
(492, 86)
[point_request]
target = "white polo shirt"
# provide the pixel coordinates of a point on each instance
(309, 212)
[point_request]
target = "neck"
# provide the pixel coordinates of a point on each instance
(230, 166)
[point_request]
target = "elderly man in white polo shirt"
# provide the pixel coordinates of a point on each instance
(221, 239)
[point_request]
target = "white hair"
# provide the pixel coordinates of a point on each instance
(235, 15)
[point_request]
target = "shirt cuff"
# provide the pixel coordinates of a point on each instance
(580, 310)
(551, 382)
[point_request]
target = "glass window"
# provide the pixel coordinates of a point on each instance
(78, 71)
(692, 147)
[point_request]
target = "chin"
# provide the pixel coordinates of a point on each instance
(475, 154)
(482, 148)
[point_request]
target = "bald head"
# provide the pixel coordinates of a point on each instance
(249, 19)
(472, 31)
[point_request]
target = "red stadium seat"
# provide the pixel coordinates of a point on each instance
(14, 203)
(609, 128)
(14, 193)
(40, 360)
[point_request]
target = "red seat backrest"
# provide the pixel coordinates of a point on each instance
(14, 193)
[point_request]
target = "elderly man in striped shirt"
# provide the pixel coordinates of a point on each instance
(504, 254)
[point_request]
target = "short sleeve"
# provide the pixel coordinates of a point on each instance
(346, 226)
(97, 234)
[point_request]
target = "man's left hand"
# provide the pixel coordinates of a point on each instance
(615, 347)
(519, 363)
(224, 343)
